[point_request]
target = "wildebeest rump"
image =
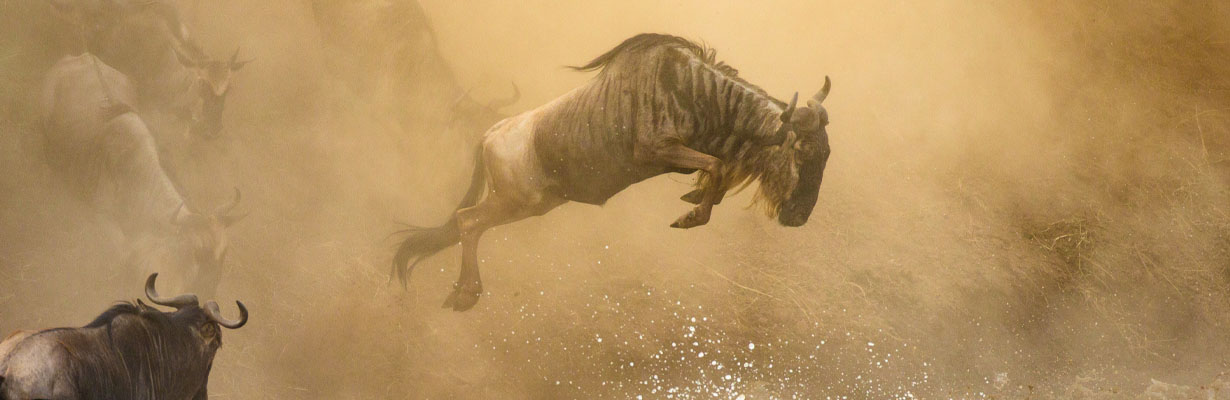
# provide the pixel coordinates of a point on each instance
(96, 143)
(130, 351)
(660, 104)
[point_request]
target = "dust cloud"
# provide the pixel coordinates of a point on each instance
(1025, 200)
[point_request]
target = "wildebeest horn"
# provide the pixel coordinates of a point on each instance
(178, 302)
(824, 91)
(498, 104)
(461, 98)
(228, 220)
(184, 59)
(790, 109)
(215, 314)
(234, 64)
(226, 208)
(175, 219)
(780, 136)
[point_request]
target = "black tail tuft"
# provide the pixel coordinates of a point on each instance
(422, 242)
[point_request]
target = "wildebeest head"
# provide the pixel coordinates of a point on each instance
(803, 131)
(202, 321)
(213, 83)
(204, 236)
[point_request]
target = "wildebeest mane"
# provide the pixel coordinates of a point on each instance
(124, 308)
(651, 40)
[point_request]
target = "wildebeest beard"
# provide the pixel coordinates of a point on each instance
(663, 88)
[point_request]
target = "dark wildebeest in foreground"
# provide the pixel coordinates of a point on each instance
(131, 351)
(661, 104)
(96, 143)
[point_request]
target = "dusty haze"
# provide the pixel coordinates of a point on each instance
(1025, 200)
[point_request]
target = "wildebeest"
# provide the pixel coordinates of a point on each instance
(176, 82)
(386, 52)
(660, 104)
(97, 144)
(96, 18)
(130, 351)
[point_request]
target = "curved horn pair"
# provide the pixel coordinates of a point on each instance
(781, 135)
(211, 308)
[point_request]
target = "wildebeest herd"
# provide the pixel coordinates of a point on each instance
(659, 104)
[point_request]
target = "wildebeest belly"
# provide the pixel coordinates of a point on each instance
(588, 165)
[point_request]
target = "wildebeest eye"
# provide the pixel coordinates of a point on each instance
(806, 146)
(208, 330)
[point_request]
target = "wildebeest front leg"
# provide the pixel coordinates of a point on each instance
(680, 156)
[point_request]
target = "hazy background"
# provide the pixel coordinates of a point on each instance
(1025, 199)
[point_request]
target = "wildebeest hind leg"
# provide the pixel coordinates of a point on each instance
(493, 211)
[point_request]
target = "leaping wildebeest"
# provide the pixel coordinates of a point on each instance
(97, 144)
(660, 104)
(131, 351)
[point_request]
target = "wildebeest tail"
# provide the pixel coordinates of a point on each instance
(422, 242)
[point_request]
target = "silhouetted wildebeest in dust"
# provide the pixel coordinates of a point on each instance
(96, 143)
(176, 83)
(660, 104)
(130, 351)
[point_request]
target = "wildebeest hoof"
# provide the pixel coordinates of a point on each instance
(463, 297)
(691, 219)
(696, 196)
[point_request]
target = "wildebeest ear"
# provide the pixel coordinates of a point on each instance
(234, 64)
